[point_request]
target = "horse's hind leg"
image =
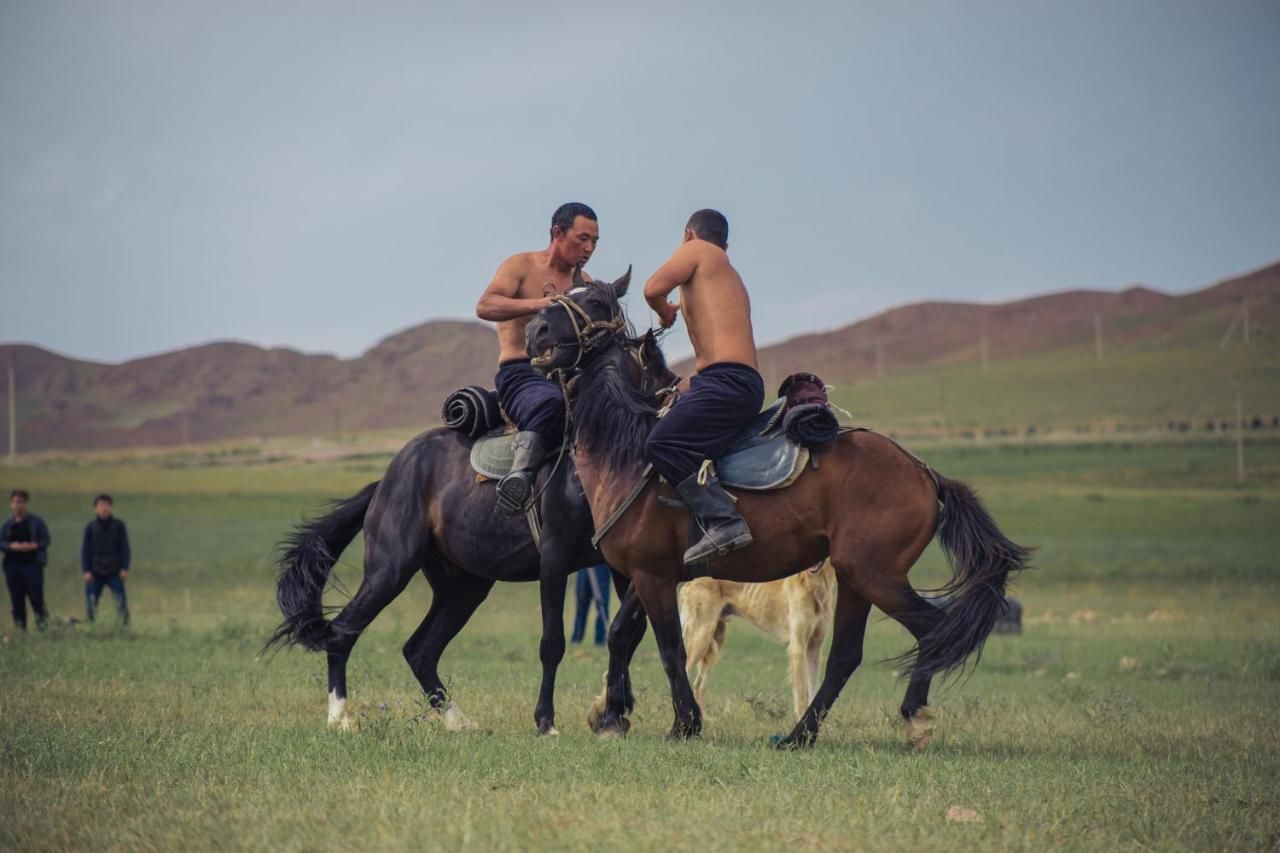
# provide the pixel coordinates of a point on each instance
(386, 573)
(919, 617)
(454, 600)
(845, 657)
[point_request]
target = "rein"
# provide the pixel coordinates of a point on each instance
(589, 333)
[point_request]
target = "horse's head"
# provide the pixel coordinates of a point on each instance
(564, 333)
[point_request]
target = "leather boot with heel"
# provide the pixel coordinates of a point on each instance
(515, 490)
(723, 529)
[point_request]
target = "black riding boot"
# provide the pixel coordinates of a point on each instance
(516, 489)
(723, 529)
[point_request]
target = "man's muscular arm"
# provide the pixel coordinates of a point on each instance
(675, 272)
(499, 301)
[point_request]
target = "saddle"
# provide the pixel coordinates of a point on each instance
(761, 458)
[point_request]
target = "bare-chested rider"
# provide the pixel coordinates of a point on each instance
(523, 286)
(724, 395)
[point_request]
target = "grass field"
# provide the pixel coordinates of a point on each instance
(1137, 711)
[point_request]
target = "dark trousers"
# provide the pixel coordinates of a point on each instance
(721, 401)
(532, 401)
(589, 594)
(26, 582)
(93, 591)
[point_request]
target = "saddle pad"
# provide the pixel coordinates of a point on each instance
(756, 462)
(491, 455)
(763, 462)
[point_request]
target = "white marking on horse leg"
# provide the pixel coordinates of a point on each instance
(919, 727)
(338, 716)
(454, 720)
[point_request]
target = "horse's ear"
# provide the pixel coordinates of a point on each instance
(577, 277)
(620, 286)
(648, 344)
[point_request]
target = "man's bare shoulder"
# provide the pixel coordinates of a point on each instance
(522, 262)
(705, 255)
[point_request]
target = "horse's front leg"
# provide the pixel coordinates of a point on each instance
(658, 594)
(553, 580)
(608, 713)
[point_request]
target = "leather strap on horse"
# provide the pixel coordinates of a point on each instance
(609, 522)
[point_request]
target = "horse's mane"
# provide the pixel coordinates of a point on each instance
(612, 413)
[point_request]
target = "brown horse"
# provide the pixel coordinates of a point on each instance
(868, 505)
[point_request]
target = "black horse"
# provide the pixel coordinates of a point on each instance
(428, 513)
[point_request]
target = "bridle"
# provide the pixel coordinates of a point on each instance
(588, 333)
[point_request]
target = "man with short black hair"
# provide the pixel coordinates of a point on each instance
(725, 393)
(25, 539)
(104, 557)
(524, 284)
(710, 225)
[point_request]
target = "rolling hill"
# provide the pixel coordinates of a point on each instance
(918, 367)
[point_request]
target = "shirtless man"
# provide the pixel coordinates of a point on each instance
(724, 395)
(523, 286)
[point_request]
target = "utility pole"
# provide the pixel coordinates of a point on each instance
(13, 417)
(1238, 318)
(1097, 335)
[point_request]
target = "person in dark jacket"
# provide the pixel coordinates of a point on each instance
(104, 557)
(25, 540)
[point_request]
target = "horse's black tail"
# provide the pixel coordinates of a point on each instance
(303, 563)
(982, 559)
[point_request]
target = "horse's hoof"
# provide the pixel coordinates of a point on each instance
(792, 742)
(343, 723)
(549, 731)
(610, 729)
(454, 721)
(919, 727)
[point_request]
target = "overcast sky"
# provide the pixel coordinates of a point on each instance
(321, 175)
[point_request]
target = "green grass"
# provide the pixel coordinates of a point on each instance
(1069, 391)
(1137, 711)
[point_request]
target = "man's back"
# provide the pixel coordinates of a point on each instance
(716, 307)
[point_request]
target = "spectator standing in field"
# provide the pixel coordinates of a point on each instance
(593, 588)
(104, 557)
(25, 540)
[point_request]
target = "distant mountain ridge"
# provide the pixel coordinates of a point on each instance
(236, 390)
(933, 333)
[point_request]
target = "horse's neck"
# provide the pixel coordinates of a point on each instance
(604, 486)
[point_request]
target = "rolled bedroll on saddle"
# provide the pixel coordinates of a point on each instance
(472, 411)
(809, 420)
